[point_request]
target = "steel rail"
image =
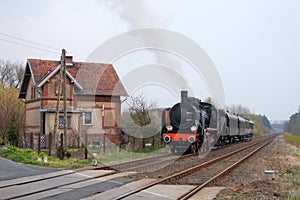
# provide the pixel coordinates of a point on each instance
(192, 192)
(188, 171)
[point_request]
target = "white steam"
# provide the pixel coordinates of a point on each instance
(137, 13)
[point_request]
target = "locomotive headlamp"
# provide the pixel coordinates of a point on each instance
(169, 128)
(167, 139)
(194, 129)
(191, 139)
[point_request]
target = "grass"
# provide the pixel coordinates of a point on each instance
(294, 176)
(291, 138)
(28, 156)
(292, 197)
(294, 173)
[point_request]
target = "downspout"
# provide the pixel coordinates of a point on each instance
(41, 119)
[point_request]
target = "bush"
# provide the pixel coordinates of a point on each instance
(42, 155)
(68, 154)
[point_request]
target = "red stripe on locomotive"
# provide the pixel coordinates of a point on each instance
(176, 137)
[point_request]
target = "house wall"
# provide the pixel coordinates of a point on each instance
(32, 108)
(105, 122)
(72, 132)
(50, 94)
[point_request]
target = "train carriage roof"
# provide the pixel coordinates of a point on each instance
(242, 119)
(231, 116)
(248, 121)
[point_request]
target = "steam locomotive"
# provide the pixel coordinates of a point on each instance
(192, 126)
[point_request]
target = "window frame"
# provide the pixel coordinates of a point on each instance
(84, 118)
(69, 119)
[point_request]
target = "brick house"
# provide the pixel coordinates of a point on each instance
(93, 100)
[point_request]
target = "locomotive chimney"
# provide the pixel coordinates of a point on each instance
(184, 95)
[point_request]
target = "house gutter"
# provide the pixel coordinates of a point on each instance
(41, 120)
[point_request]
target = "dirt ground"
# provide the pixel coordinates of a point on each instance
(249, 180)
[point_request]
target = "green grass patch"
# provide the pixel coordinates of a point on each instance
(291, 138)
(28, 156)
(292, 197)
(294, 176)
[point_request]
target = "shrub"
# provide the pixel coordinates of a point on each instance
(42, 155)
(68, 154)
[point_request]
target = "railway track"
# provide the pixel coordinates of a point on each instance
(52, 184)
(232, 159)
(215, 171)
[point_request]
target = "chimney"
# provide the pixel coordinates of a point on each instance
(184, 95)
(69, 61)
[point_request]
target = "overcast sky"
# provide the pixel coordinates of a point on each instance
(255, 45)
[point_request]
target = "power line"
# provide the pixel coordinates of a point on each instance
(34, 43)
(18, 43)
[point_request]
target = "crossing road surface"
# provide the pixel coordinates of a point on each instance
(11, 170)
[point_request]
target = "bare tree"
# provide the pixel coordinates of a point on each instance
(11, 73)
(238, 109)
(139, 108)
(143, 118)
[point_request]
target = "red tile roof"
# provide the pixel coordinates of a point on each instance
(95, 78)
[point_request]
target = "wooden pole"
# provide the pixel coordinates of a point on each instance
(58, 92)
(31, 140)
(50, 143)
(85, 146)
(39, 143)
(63, 64)
(61, 149)
(104, 143)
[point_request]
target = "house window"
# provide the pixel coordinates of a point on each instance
(61, 122)
(59, 89)
(88, 119)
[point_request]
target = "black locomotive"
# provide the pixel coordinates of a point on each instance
(195, 126)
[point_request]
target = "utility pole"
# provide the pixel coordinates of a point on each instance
(63, 65)
(58, 92)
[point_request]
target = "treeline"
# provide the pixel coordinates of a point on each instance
(262, 124)
(11, 108)
(293, 125)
